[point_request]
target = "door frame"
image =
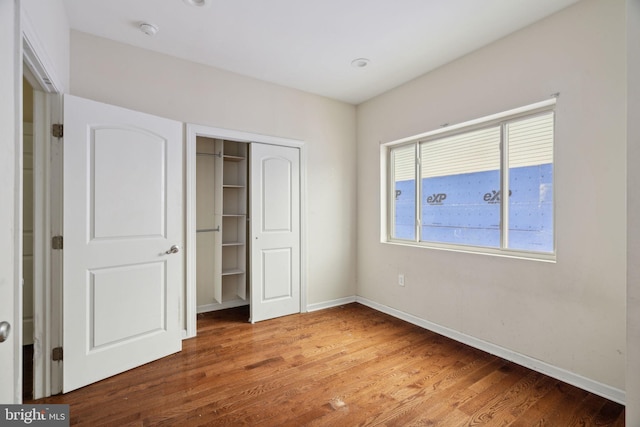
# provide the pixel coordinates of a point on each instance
(192, 132)
(39, 71)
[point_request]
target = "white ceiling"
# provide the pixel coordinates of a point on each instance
(309, 44)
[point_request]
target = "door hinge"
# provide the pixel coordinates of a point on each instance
(56, 242)
(56, 354)
(57, 130)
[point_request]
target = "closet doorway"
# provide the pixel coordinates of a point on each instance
(245, 223)
(221, 224)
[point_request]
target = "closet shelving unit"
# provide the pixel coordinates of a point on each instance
(221, 224)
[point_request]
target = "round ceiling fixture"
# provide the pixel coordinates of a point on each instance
(148, 29)
(360, 63)
(197, 3)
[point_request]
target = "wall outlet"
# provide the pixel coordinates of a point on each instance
(401, 279)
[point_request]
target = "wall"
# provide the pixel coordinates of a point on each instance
(142, 80)
(49, 21)
(633, 214)
(569, 314)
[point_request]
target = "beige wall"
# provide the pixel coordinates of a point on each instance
(142, 80)
(569, 314)
(27, 101)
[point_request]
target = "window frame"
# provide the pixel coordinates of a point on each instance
(387, 184)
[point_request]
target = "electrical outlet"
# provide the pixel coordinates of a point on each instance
(401, 279)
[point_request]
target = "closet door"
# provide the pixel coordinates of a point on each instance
(275, 231)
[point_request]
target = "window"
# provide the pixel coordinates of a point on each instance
(446, 188)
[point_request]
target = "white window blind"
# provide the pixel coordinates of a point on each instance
(404, 163)
(531, 141)
(469, 152)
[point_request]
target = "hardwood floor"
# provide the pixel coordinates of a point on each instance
(344, 366)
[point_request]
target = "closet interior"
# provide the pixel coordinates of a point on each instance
(221, 224)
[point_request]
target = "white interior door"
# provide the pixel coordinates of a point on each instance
(275, 231)
(122, 214)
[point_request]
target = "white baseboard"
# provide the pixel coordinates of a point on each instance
(332, 303)
(587, 384)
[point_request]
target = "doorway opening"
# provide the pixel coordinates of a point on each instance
(221, 224)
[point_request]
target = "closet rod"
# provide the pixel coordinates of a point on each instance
(210, 154)
(206, 230)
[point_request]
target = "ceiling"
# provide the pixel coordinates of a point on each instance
(310, 44)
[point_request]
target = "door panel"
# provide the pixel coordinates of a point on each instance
(144, 286)
(122, 213)
(276, 198)
(136, 209)
(277, 274)
(275, 231)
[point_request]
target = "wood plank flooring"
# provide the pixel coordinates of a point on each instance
(345, 366)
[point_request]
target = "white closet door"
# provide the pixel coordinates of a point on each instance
(275, 231)
(122, 216)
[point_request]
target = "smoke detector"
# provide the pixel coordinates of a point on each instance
(197, 3)
(148, 29)
(360, 63)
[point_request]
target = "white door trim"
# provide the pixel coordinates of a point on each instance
(193, 131)
(41, 252)
(40, 72)
(48, 263)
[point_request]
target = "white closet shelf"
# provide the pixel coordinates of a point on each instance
(234, 215)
